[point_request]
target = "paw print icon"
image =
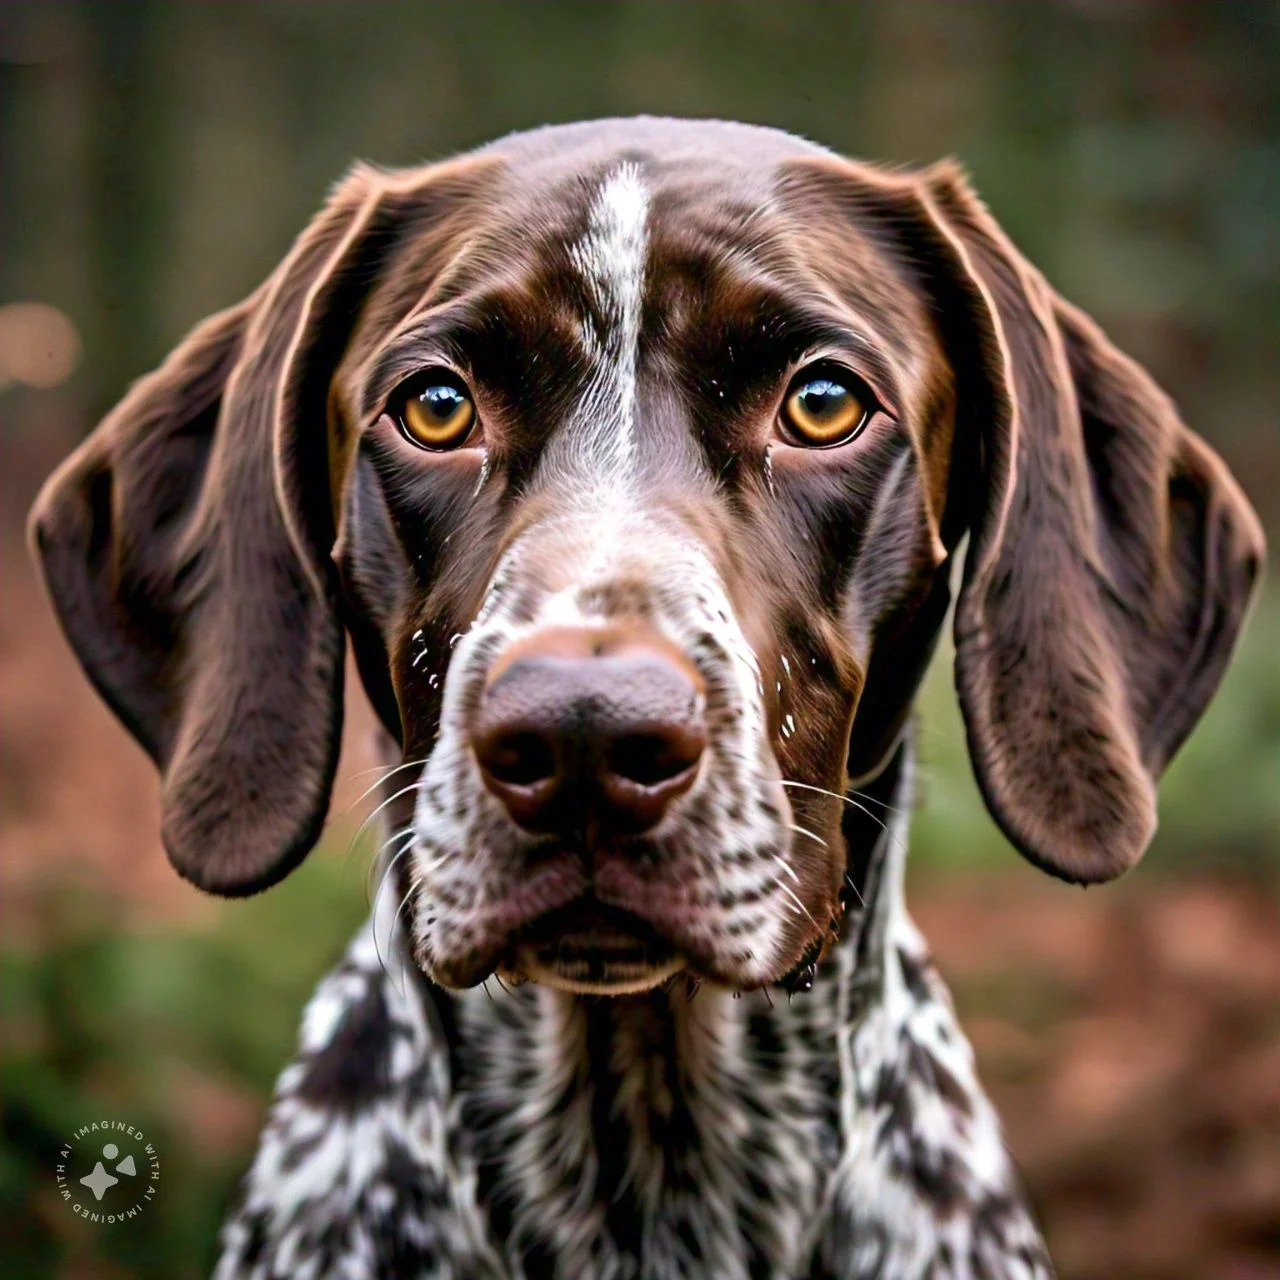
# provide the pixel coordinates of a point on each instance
(100, 1181)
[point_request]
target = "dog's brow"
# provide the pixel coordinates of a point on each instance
(810, 334)
(439, 335)
(773, 328)
(467, 332)
(869, 359)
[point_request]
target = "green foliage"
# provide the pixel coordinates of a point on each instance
(179, 1032)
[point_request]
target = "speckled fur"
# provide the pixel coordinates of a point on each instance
(840, 1132)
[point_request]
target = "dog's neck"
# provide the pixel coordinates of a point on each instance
(838, 1132)
(663, 1124)
(633, 1120)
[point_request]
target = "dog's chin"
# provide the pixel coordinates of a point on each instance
(594, 978)
(592, 949)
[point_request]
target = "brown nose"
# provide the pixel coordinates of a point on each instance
(590, 730)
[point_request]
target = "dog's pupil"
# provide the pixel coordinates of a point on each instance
(822, 399)
(442, 402)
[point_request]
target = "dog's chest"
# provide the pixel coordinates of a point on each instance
(656, 1137)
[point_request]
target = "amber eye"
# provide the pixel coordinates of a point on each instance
(826, 407)
(434, 410)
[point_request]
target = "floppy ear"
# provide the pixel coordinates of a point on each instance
(1111, 559)
(186, 547)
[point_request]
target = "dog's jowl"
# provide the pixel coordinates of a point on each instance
(632, 458)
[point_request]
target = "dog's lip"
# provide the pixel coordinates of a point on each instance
(641, 922)
(610, 888)
(550, 886)
(590, 922)
(589, 946)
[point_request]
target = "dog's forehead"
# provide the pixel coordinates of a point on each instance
(626, 236)
(650, 204)
(590, 213)
(667, 184)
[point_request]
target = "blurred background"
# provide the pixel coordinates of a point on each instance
(157, 159)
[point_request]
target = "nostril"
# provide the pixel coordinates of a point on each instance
(519, 759)
(652, 758)
(590, 732)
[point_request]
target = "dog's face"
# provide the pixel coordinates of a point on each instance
(647, 491)
(633, 458)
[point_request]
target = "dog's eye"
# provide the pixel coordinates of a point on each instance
(826, 407)
(434, 410)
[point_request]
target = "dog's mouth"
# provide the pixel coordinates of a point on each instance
(591, 948)
(610, 923)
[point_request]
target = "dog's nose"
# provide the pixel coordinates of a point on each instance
(590, 730)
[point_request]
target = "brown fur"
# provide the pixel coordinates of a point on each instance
(244, 504)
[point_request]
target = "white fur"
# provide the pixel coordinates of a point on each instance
(611, 260)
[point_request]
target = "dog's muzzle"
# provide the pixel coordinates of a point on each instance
(588, 736)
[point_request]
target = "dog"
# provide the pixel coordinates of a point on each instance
(635, 458)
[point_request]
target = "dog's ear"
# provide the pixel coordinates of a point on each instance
(186, 547)
(1111, 556)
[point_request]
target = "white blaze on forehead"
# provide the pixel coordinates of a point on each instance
(610, 257)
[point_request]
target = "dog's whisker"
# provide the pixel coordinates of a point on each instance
(804, 831)
(360, 830)
(386, 770)
(870, 799)
(407, 829)
(403, 834)
(414, 881)
(810, 834)
(857, 893)
(373, 926)
(408, 764)
(804, 910)
(785, 865)
(844, 799)
(778, 884)
(395, 916)
(382, 881)
(862, 808)
(406, 837)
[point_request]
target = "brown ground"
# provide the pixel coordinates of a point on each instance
(1130, 1037)
(1131, 1041)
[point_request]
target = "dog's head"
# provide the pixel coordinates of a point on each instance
(634, 457)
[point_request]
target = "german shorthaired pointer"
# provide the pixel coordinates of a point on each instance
(635, 458)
